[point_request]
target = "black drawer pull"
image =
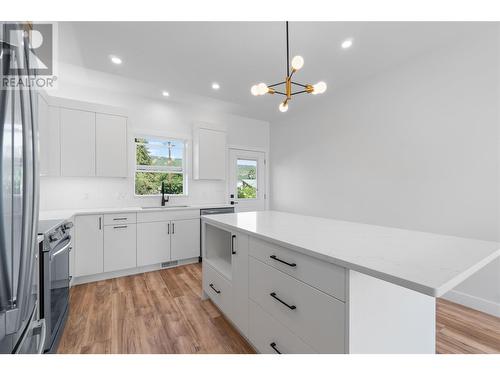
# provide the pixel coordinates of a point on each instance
(274, 257)
(232, 244)
(216, 291)
(273, 345)
(291, 307)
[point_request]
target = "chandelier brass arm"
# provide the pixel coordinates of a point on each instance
(297, 64)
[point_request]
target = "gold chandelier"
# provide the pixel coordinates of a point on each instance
(297, 64)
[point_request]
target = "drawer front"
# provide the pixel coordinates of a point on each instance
(315, 317)
(148, 217)
(117, 219)
(120, 247)
(218, 289)
(325, 276)
(269, 336)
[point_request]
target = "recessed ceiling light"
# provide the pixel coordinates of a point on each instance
(347, 43)
(165, 93)
(115, 60)
(215, 86)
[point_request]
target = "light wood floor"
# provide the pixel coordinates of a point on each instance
(161, 312)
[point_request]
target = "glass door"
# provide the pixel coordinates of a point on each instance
(247, 187)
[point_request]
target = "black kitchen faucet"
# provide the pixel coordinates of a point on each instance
(163, 199)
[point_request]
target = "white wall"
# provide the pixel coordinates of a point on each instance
(416, 147)
(159, 116)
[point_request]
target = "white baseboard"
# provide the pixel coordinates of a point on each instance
(127, 272)
(476, 303)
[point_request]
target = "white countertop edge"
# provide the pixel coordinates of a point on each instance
(418, 287)
(69, 213)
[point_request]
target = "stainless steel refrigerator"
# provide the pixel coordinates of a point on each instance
(21, 331)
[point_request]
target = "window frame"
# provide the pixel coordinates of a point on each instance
(184, 171)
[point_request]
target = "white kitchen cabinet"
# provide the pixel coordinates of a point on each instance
(111, 145)
(209, 154)
(119, 247)
(49, 138)
(77, 142)
(185, 239)
(153, 243)
(239, 280)
(88, 245)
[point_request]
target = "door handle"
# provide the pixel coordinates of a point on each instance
(232, 244)
(173, 228)
(216, 291)
(273, 345)
(168, 228)
(274, 257)
(100, 223)
(291, 307)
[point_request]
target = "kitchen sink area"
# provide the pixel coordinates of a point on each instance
(164, 207)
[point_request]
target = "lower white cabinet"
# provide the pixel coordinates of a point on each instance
(120, 247)
(122, 241)
(89, 246)
(185, 239)
(269, 336)
(153, 243)
(274, 307)
(239, 281)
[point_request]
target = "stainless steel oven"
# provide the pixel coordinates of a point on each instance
(55, 279)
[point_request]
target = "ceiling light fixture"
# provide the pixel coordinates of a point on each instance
(346, 43)
(165, 93)
(297, 64)
(115, 60)
(215, 86)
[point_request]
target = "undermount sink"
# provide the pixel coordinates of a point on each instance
(164, 207)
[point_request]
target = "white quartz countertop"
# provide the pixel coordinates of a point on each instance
(69, 213)
(428, 263)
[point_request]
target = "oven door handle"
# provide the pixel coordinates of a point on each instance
(65, 248)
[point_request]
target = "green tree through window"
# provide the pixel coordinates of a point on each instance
(158, 161)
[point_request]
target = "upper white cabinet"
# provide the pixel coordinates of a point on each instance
(50, 138)
(209, 154)
(81, 139)
(111, 145)
(77, 142)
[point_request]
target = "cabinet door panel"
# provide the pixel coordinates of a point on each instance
(239, 271)
(153, 243)
(210, 155)
(111, 145)
(119, 247)
(88, 245)
(77, 142)
(185, 239)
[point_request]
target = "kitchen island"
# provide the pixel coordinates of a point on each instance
(301, 284)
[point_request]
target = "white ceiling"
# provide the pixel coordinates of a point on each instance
(186, 57)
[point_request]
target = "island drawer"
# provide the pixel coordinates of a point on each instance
(270, 336)
(325, 276)
(312, 315)
(217, 288)
(166, 215)
(120, 218)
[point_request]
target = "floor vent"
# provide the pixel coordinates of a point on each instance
(169, 264)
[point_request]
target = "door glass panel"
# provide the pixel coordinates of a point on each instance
(246, 183)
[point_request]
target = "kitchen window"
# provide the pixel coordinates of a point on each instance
(160, 160)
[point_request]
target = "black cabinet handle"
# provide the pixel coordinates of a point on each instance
(291, 307)
(273, 345)
(232, 244)
(216, 291)
(274, 257)
(173, 228)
